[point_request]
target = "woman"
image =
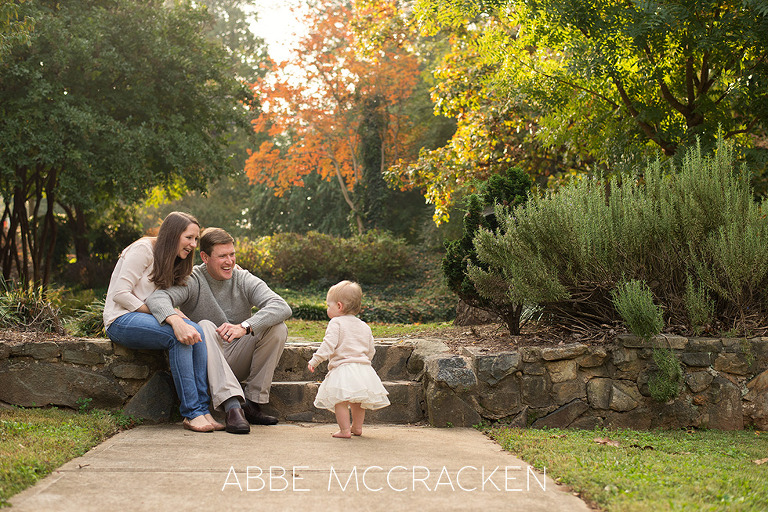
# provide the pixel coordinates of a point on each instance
(144, 266)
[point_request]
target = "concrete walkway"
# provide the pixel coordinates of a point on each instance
(297, 466)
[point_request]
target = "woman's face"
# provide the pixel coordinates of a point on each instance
(188, 240)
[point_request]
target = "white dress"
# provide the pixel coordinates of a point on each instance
(352, 382)
(348, 346)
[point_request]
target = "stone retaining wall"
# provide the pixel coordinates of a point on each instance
(65, 373)
(584, 386)
(575, 385)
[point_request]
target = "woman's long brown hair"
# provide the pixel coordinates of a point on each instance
(169, 269)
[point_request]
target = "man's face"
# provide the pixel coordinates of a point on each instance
(221, 262)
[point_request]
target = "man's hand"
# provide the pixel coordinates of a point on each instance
(229, 332)
(184, 332)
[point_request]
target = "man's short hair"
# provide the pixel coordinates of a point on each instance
(349, 294)
(212, 237)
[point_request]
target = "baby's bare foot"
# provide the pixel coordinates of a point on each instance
(357, 431)
(342, 435)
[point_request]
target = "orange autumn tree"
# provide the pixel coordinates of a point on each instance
(315, 105)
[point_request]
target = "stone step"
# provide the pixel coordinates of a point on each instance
(294, 401)
(392, 361)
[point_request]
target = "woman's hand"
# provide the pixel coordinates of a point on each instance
(184, 332)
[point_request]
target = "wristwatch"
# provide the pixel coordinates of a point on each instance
(247, 327)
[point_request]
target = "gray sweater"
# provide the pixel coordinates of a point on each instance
(231, 301)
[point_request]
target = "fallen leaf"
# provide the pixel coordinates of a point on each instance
(760, 461)
(557, 436)
(606, 441)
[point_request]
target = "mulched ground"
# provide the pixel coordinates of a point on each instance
(496, 338)
(492, 337)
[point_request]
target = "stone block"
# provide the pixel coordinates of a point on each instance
(447, 408)
(535, 390)
(292, 365)
(599, 393)
(735, 363)
(130, 371)
(500, 400)
(155, 401)
(85, 353)
(492, 368)
(563, 416)
(423, 350)
(453, 371)
(624, 358)
(624, 396)
(561, 371)
(37, 350)
(569, 351)
(5, 351)
(698, 359)
(31, 383)
(122, 352)
(724, 408)
(594, 358)
(756, 402)
(670, 341)
(391, 361)
(564, 392)
(530, 354)
(704, 345)
(632, 341)
(534, 369)
(698, 381)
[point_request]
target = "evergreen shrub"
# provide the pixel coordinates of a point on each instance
(482, 283)
(694, 227)
(294, 259)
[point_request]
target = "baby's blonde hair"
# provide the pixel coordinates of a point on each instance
(349, 294)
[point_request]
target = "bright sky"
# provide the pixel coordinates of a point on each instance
(277, 25)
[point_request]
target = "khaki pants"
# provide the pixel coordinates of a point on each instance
(251, 359)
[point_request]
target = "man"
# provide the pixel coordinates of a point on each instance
(242, 346)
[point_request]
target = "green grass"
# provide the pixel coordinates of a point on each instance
(314, 330)
(695, 470)
(34, 442)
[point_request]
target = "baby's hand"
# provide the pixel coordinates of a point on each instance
(311, 368)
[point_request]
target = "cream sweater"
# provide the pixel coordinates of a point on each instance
(129, 285)
(347, 340)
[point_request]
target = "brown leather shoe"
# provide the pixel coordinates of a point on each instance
(187, 425)
(236, 422)
(254, 415)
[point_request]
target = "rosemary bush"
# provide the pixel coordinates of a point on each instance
(697, 226)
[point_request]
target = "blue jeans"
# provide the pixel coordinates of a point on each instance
(188, 362)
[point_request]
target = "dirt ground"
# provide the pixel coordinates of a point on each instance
(496, 338)
(492, 337)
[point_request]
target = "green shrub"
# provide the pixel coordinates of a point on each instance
(664, 384)
(634, 302)
(700, 308)
(28, 308)
(566, 249)
(302, 259)
(88, 321)
(485, 283)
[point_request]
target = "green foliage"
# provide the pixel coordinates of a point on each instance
(560, 86)
(699, 225)
(108, 100)
(700, 308)
(296, 259)
(481, 283)
(665, 383)
(634, 302)
(88, 321)
(28, 308)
